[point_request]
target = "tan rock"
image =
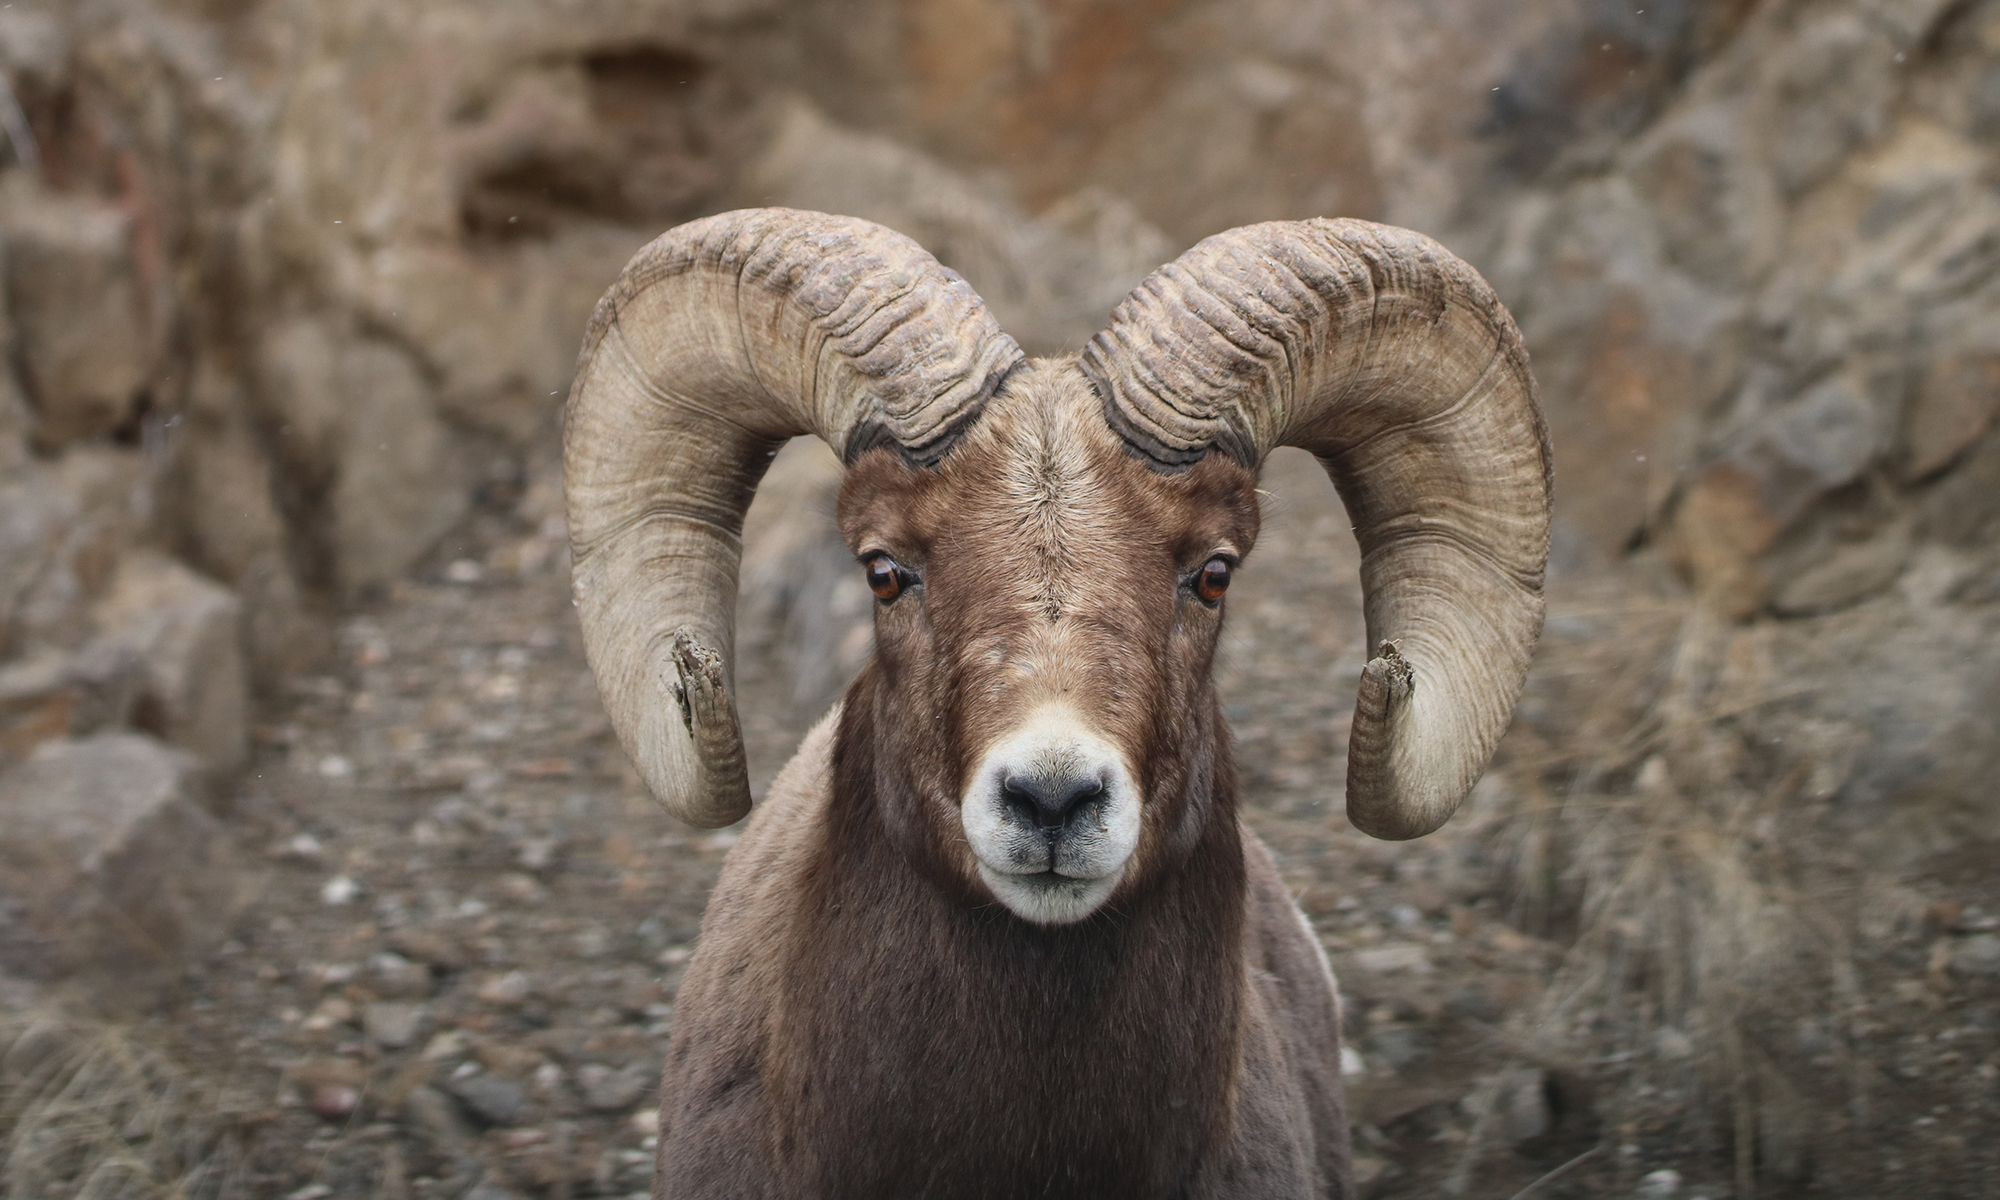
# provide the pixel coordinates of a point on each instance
(224, 493)
(1847, 574)
(85, 326)
(1956, 403)
(403, 477)
(358, 422)
(63, 525)
(1720, 528)
(110, 866)
(185, 631)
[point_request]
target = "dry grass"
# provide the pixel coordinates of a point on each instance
(1647, 834)
(88, 1113)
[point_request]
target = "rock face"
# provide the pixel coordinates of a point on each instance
(291, 288)
(110, 866)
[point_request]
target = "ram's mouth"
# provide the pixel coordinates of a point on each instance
(1049, 898)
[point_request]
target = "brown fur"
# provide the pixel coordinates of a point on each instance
(863, 1020)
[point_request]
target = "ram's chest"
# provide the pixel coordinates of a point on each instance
(985, 1057)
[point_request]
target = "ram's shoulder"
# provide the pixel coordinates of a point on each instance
(763, 868)
(714, 1125)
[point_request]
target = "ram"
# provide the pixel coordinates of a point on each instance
(999, 929)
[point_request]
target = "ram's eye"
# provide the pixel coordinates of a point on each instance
(885, 578)
(1213, 580)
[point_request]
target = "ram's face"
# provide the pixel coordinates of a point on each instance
(1047, 615)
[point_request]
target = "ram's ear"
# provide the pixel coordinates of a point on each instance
(723, 338)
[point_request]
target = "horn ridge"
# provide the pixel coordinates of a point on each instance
(721, 339)
(1396, 365)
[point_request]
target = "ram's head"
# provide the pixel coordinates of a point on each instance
(1050, 540)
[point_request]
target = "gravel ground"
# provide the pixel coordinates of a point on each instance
(460, 978)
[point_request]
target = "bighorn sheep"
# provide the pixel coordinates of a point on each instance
(998, 929)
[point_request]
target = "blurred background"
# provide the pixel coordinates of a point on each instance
(321, 874)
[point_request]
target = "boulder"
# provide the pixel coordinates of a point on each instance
(404, 479)
(62, 526)
(52, 694)
(1952, 408)
(184, 633)
(110, 868)
(359, 431)
(85, 332)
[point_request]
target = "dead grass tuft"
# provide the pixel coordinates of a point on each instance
(1649, 836)
(87, 1113)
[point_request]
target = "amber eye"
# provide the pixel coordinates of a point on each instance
(1213, 580)
(885, 578)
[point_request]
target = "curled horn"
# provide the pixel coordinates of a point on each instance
(723, 338)
(1393, 362)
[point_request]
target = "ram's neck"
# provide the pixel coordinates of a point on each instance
(928, 1046)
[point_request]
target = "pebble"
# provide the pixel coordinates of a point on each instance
(334, 1101)
(509, 989)
(332, 1011)
(1659, 1185)
(394, 1024)
(535, 854)
(397, 978)
(427, 1111)
(1524, 1103)
(606, 1090)
(1384, 960)
(303, 848)
(492, 1099)
(338, 891)
(522, 889)
(1473, 1003)
(1977, 955)
(430, 948)
(1398, 1047)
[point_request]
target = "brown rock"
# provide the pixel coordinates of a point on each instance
(110, 865)
(185, 632)
(1523, 1097)
(1720, 528)
(1953, 406)
(606, 1090)
(1850, 573)
(63, 525)
(224, 491)
(1718, 210)
(331, 1087)
(432, 1114)
(433, 949)
(1834, 85)
(86, 322)
(490, 1098)
(395, 1024)
(359, 422)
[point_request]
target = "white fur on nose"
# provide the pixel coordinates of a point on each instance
(1052, 880)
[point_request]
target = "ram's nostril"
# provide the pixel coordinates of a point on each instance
(1049, 801)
